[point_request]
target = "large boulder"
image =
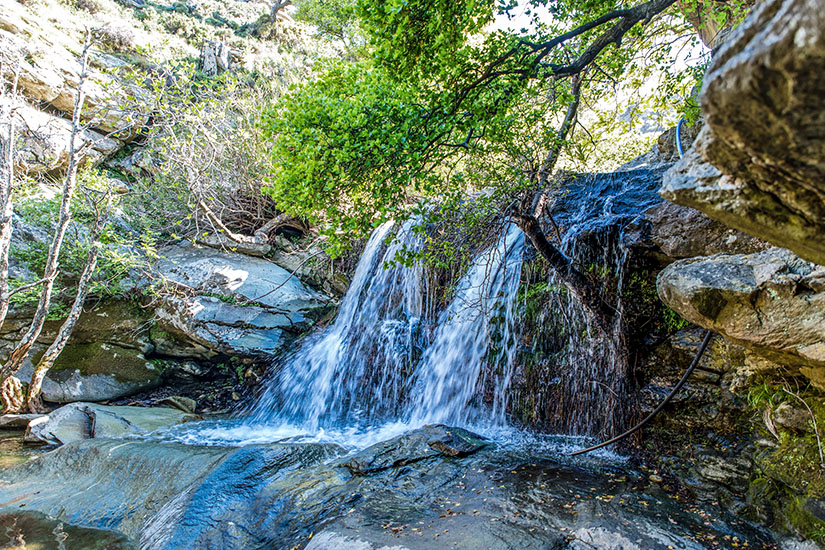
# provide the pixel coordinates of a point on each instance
(771, 302)
(104, 359)
(758, 164)
(239, 305)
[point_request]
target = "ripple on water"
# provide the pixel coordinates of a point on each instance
(242, 432)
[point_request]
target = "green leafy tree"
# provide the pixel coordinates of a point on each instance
(444, 106)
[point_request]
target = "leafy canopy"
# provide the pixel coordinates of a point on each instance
(443, 106)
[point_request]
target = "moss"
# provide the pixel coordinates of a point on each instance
(795, 463)
(791, 482)
(126, 365)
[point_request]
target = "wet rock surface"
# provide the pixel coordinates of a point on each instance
(426, 442)
(168, 495)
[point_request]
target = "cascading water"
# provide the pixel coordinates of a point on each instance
(352, 372)
(384, 367)
(363, 375)
(448, 378)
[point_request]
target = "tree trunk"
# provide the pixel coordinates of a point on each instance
(23, 349)
(588, 294)
(34, 401)
(6, 205)
(277, 5)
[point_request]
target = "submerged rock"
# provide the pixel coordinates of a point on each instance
(427, 442)
(87, 420)
(771, 302)
(22, 530)
(757, 165)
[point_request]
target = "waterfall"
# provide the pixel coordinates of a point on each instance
(574, 379)
(374, 366)
(388, 363)
(448, 378)
(352, 372)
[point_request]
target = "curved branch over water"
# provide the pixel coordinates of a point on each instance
(657, 410)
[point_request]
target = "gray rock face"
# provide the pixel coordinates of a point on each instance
(682, 232)
(254, 307)
(758, 165)
(792, 418)
(87, 420)
(104, 359)
(216, 58)
(771, 302)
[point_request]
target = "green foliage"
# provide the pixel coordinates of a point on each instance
(346, 150)
(444, 106)
(117, 259)
(673, 321)
(332, 19)
(420, 37)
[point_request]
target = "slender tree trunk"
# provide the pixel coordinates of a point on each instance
(6, 205)
(553, 155)
(34, 401)
(579, 284)
(23, 349)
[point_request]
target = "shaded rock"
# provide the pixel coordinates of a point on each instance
(86, 420)
(423, 443)
(255, 307)
(682, 232)
(757, 165)
(170, 496)
(771, 302)
(17, 421)
(666, 143)
(311, 265)
(104, 359)
(184, 404)
(792, 418)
